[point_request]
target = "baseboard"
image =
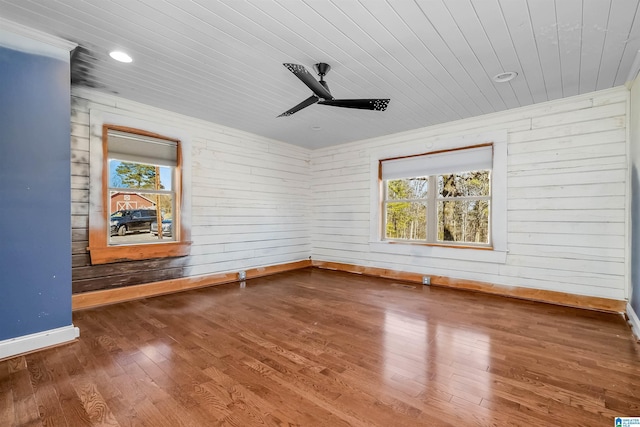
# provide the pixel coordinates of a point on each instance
(552, 297)
(40, 340)
(634, 321)
(129, 293)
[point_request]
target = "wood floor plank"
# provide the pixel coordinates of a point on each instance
(93, 402)
(24, 404)
(323, 348)
(128, 415)
(62, 362)
(50, 411)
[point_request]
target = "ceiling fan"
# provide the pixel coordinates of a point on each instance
(322, 95)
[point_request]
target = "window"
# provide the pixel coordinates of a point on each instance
(442, 197)
(140, 198)
(141, 191)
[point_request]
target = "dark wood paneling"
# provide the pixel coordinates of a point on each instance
(137, 278)
(80, 235)
(80, 260)
(79, 247)
(131, 267)
(128, 293)
(108, 276)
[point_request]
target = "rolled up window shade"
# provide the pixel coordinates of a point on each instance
(464, 160)
(130, 147)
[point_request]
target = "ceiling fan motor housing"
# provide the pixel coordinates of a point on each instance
(322, 69)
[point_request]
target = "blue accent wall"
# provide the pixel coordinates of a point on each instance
(35, 195)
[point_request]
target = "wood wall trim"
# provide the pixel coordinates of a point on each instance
(111, 296)
(446, 150)
(540, 295)
(439, 245)
(110, 254)
(136, 131)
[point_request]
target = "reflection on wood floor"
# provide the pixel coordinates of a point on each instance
(322, 348)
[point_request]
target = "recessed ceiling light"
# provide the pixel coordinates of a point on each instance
(505, 77)
(120, 56)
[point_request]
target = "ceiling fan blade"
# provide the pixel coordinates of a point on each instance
(326, 86)
(309, 101)
(308, 79)
(362, 104)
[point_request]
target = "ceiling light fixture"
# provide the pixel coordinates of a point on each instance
(315, 128)
(505, 77)
(120, 56)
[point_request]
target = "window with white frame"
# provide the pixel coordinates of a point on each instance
(442, 197)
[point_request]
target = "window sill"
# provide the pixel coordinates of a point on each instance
(431, 250)
(439, 245)
(111, 254)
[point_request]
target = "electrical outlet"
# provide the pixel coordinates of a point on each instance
(426, 280)
(242, 275)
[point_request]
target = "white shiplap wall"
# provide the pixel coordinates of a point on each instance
(566, 197)
(250, 196)
(256, 202)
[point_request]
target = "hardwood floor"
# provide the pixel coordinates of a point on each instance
(322, 348)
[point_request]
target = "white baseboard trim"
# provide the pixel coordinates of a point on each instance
(634, 321)
(27, 343)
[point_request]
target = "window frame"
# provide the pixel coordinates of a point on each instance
(430, 141)
(100, 251)
(432, 199)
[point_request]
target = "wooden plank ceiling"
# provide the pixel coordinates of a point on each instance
(222, 60)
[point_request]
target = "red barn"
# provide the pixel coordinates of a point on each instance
(121, 201)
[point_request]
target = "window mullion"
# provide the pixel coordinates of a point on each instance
(385, 199)
(432, 210)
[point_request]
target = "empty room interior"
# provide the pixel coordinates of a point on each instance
(319, 213)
